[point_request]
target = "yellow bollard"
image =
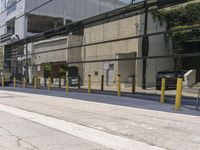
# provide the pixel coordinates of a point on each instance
(49, 85)
(179, 94)
(35, 82)
(67, 85)
(89, 84)
(163, 85)
(2, 84)
(24, 82)
(14, 82)
(118, 86)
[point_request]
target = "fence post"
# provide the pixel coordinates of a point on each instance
(118, 86)
(133, 84)
(179, 89)
(163, 85)
(102, 83)
(14, 82)
(49, 85)
(89, 84)
(2, 80)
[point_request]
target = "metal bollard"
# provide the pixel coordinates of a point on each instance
(49, 85)
(38, 83)
(118, 85)
(14, 82)
(59, 82)
(79, 82)
(133, 84)
(163, 85)
(2, 80)
(67, 85)
(102, 82)
(89, 84)
(179, 94)
(24, 82)
(45, 82)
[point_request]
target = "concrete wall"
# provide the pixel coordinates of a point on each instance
(112, 50)
(158, 46)
(57, 50)
(52, 45)
(120, 29)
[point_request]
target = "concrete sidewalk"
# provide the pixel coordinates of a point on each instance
(145, 121)
(17, 133)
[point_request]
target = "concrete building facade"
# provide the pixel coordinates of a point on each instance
(27, 17)
(56, 53)
(131, 48)
(20, 19)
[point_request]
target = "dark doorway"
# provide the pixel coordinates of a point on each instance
(188, 63)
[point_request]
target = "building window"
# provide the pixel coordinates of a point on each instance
(10, 26)
(10, 5)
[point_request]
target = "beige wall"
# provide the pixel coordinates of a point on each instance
(50, 45)
(110, 31)
(60, 51)
(121, 29)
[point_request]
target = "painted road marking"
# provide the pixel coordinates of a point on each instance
(90, 134)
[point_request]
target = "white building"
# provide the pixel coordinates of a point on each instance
(16, 17)
(23, 18)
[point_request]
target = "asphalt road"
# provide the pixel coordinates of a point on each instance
(146, 122)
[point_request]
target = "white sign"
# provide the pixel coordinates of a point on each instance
(106, 65)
